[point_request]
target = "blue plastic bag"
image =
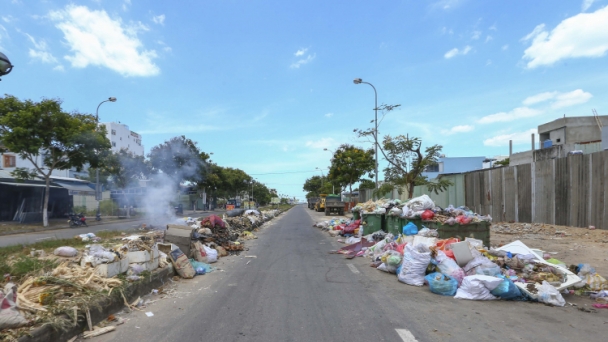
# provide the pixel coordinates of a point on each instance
(442, 284)
(200, 267)
(507, 290)
(410, 229)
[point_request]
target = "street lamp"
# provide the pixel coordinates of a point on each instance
(97, 188)
(5, 65)
(359, 81)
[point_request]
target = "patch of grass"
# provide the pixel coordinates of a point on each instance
(25, 265)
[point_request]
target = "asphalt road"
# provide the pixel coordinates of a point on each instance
(293, 290)
(63, 233)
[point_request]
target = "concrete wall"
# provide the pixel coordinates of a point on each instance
(519, 158)
(572, 130)
(567, 191)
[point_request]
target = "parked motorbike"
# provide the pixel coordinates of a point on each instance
(77, 220)
(98, 217)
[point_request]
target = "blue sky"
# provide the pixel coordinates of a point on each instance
(267, 85)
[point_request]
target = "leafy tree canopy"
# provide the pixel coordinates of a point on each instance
(349, 164)
(62, 140)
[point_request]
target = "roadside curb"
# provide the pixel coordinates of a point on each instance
(109, 306)
(42, 229)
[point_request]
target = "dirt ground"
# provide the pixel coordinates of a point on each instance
(570, 245)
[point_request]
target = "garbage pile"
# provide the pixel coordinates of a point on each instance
(469, 270)
(421, 207)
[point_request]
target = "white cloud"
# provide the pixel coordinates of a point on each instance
(505, 47)
(572, 98)
(458, 129)
(517, 138)
(493, 28)
(321, 143)
(303, 61)
(583, 35)
(559, 100)
(41, 51)
(488, 38)
(476, 35)
(542, 97)
(125, 5)
(454, 52)
(59, 68)
(515, 114)
(329, 115)
(445, 30)
(488, 62)
(300, 52)
(159, 19)
(164, 46)
(96, 39)
(8, 18)
(586, 4)
(446, 4)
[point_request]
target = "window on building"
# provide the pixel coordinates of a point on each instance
(432, 168)
(9, 161)
(113, 132)
(113, 143)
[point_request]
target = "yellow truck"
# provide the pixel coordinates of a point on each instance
(320, 205)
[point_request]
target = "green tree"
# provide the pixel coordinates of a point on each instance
(367, 184)
(62, 140)
(349, 164)
(315, 185)
(235, 181)
(180, 159)
(121, 170)
(406, 160)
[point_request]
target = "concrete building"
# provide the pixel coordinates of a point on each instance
(122, 138)
(562, 136)
(9, 161)
(448, 165)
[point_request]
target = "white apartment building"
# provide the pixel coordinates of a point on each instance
(9, 161)
(122, 138)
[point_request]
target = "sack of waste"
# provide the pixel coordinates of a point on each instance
(507, 290)
(415, 261)
(442, 284)
(66, 251)
(212, 254)
(549, 294)
(449, 267)
(9, 314)
(477, 287)
(182, 265)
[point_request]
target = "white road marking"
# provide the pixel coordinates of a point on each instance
(406, 335)
(353, 268)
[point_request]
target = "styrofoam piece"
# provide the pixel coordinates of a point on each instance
(108, 270)
(518, 247)
(139, 257)
(462, 253)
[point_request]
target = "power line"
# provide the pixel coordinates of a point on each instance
(280, 173)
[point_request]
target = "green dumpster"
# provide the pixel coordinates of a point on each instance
(356, 215)
(373, 223)
(478, 230)
(394, 224)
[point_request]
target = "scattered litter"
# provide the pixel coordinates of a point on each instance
(149, 314)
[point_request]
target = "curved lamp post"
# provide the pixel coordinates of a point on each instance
(5, 65)
(359, 81)
(97, 188)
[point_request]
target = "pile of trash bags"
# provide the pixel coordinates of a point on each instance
(421, 207)
(469, 270)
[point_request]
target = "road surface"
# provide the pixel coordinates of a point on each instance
(293, 290)
(64, 233)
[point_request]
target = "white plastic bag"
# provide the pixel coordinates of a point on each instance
(549, 294)
(66, 251)
(420, 203)
(477, 287)
(449, 267)
(9, 315)
(211, 254)
(415, 261)
(482, 266)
